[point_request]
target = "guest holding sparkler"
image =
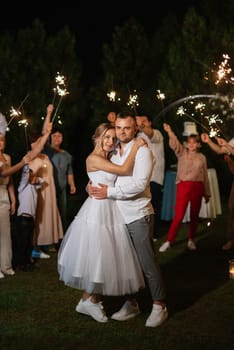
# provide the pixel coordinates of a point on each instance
(224, 147)
(63, 170)
(39, 145)
(8, 201)
(192, 184)
(7, 171)
(48, 224)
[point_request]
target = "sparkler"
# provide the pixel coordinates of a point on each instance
(224, 71)
(61, 93)
(14, 113)
(188, 98)
(223, 74)
(160, 96)
(112, 95)
(24, 123)
(54, 96)
(182, 111)
(133, 101)
(60, 81)
(212, 120)
(59, 90)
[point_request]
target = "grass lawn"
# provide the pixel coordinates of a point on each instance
(38, 312)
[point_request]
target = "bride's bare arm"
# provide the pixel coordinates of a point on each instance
(95, 162)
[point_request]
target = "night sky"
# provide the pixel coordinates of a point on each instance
(91, 22)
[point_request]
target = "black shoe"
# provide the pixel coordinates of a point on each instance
(27, 267)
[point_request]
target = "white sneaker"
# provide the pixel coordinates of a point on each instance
(80, 307)
(127, 311)
(191, 245)
(166, 245)
(9, 272)
(95, 310)
(157, 317)
(1, 275)
(44, 255)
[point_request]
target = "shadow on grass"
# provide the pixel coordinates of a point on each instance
(192, 274)
(188, 275)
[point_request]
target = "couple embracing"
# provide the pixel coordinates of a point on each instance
(107, 249)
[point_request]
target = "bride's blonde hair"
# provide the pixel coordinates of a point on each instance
(101, 131)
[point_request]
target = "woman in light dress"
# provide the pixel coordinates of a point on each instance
(7, 208)
(96, 254)
(48, 226)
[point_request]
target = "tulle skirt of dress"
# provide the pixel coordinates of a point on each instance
(97, 254)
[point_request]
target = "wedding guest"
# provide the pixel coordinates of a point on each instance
(29, 185)
(7, 208)
(48, 225)
(30, 155)
(192, 184)
(111, 117)
(26, 212)
(155, 141)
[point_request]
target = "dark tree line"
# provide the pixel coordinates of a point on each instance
(174, 58)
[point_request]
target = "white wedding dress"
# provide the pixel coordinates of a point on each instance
(97, 254)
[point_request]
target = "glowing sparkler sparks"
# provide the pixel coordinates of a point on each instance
(188, 98)
(224, 71)
(213, 121)
(200, 106)
(181, 111)
(14, 113)
(133, 101)
(60, 90)
(112, 95)
(24, 123)
(160, 95)
(60, 81)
